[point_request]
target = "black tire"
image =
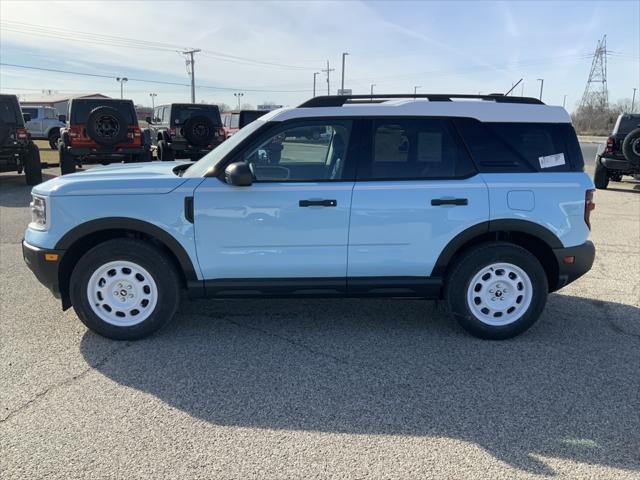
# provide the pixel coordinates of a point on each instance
(631, 147)
(601, 176)
(165, 154)
(141, 254)
(32, 165)
(199, 130)
(106, 126)
(470, 263)
(54, 136)
(67, 162)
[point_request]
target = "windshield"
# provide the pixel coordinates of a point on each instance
(199, 168)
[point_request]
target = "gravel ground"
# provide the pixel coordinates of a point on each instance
(326, 388)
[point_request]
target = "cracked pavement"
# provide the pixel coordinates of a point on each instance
(326, 388)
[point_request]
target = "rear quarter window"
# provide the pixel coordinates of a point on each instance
(521, 147)
(7, 111)
(80, 110)
(627, 123)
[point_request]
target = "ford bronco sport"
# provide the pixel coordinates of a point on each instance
(621, 154)
(185, 130)
(45, 124)
(480, 200)
(17, 151)
(101, 131)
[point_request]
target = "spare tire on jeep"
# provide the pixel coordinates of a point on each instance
(199, 130)
(631, 147)
(106, 126)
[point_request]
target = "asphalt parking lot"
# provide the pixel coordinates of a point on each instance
(326, 388)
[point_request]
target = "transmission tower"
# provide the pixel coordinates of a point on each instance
(596, 94)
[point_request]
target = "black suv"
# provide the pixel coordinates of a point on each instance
(185, 130)
(17, 150)
(102, 131)
(621, 155)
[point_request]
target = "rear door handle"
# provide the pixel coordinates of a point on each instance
(318, 203)
(436, 202)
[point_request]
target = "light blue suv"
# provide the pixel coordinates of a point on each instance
(480, 200)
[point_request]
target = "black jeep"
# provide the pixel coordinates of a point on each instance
(621, 154)
(17, 150)
(185, 130)
(102, 131)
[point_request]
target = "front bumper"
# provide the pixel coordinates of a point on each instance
(583, 257)
(45, 264)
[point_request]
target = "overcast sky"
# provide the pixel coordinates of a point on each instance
(455, 46)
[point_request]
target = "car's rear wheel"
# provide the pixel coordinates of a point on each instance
(496, 290)
(601, 176)
(67, 162)
(32, 165)
(54, 136)
(124, 289)
(165, 154)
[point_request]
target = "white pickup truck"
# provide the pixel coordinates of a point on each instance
(44, 124)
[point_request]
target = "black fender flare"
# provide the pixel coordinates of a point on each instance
(480, 229)
(135, 225)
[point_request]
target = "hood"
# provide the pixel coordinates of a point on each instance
(118, 179)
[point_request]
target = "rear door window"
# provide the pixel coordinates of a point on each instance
(235, 120)
(181, 113)
(80, 110)
(415, 148)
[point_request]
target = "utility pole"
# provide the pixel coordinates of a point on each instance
(415, 89)
(564, 100)
(328, 71)
(372, 85)
(344, 54)
(191, 69)
(153, 100)
(238, 96)
(314, 82)
(541, 80)
(596, 94)
(122, 81)
(633, 100)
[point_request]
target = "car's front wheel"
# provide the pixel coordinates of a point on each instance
(124, 289)
(496, 290)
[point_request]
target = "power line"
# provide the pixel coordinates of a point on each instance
(144, 80)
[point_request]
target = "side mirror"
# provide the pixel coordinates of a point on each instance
(148, 119)
(27, 117)
(62, 118)
(238, 174)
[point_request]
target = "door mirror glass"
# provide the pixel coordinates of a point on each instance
(148, 119)
(27, 117)
(62, 118)
(238, 174)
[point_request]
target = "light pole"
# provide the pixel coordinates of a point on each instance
(564, 100)
(541, 80)
(633, 100)
(153, 100)
(122, 81)
(314, 82)
(239, 96)
(415, 89)
(344, 54)
(372, 85)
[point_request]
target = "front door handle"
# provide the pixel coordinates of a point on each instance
(318, 203)
(436, 202)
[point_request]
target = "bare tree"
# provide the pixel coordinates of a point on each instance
(594, 120)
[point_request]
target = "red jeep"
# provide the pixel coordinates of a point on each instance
(102, 131)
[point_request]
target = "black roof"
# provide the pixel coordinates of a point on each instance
(340, 100)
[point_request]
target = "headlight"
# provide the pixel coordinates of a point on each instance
(38, 213)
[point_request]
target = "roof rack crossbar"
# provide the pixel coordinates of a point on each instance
(340, 100)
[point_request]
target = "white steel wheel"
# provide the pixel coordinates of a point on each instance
(122, 293)
(499, 294)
